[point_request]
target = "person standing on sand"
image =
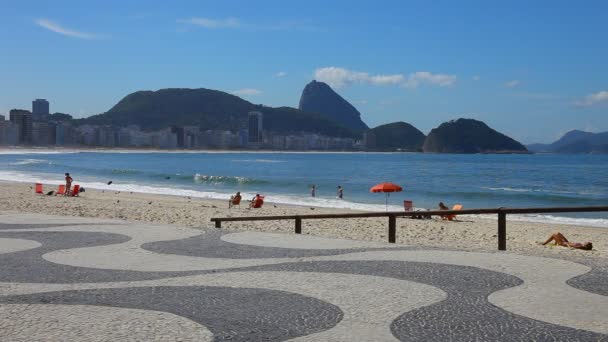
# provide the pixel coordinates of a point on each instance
(313, 191)
(340, 192)
(68, 184)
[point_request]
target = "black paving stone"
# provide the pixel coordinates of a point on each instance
(210, 245)
(234, 314)
(466, 315)
(596, 280)
(28, 266)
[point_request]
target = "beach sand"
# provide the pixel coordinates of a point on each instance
(468, 233)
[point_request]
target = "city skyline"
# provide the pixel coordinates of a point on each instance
(540, 64)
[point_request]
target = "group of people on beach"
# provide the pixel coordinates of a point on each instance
(256, 202)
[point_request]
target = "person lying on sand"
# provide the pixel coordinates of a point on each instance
(560, 240)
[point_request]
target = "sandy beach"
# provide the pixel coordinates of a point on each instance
(466, 233)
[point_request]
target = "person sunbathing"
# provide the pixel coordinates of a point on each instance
(560, 240)
(257, 201)
(234, 200)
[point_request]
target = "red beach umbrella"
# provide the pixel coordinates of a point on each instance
(387, 188)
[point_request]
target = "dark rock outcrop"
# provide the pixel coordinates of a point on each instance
(469, 136)
(318, 97)
(397, 136)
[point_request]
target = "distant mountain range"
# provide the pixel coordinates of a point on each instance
(210, 109)
(575, 142)
(321, 110)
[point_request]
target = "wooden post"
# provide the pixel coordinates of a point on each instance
(502, 231)
(392, 233)
(218, 224)
(298, 225)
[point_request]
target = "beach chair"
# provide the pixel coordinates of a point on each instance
(456, 207)
(408, 205)
(234, 201)
(258, 202)
(75, 190)
(61, 189)
(39, 188)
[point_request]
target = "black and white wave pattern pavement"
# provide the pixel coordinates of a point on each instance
(86, 279)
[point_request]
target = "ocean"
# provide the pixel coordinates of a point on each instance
(475, 181)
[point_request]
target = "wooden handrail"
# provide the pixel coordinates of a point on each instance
(392, 215)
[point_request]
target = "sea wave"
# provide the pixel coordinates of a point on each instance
(18, 152)
(510, 189)
(125, 171)
(257, 161)
(228, 180)
(22, 162)
(541, 218)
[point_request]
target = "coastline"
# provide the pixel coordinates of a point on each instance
(467, 233)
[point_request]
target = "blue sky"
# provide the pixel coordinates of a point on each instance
(531, 69)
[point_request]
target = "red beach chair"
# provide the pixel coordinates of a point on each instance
(39, 188)
(408, 205)
(456, 207)
(76, 190)
(61, 189)
(259, 201)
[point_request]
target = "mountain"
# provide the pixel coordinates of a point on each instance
(208, 109)
(398, 135)
(575, 142)
(318, 97)
(469, 136)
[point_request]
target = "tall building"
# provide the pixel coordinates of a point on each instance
(40, 109)
(23, 118)
(256, 128)
(9, 133)
(2, 118)
(43, 133)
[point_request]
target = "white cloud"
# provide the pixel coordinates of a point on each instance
(340, 77)
(247, 92)
(55, 27)
(425, 77)
(476, 78)
(212, 23)
(512, 84)
(280, 74)
(593, 99)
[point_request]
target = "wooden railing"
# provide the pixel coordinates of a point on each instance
(393, 215)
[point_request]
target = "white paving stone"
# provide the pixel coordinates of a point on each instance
(16, 245)
(16, 218)
(50, 322)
